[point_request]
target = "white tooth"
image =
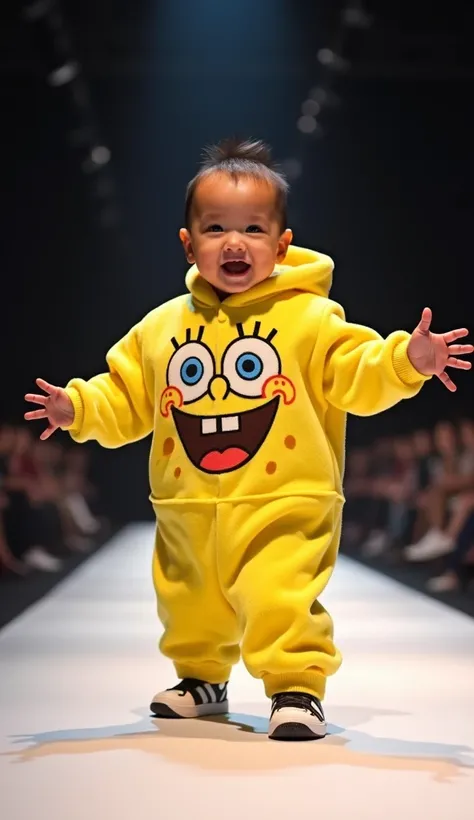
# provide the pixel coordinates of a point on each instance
(230, 423)
(208, 426)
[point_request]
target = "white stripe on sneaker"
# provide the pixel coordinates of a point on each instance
(202, 694)
(211, 692)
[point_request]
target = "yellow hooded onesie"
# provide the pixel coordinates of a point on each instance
(247, 400)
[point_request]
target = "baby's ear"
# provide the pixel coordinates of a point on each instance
(185, 237)
(283, 243)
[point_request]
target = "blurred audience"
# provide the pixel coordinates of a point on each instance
(47, 503)
(411, 499)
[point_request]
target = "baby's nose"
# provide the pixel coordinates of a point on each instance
(234, 243)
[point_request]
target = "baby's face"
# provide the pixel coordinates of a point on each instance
(235, 237)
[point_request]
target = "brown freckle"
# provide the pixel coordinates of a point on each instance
(177, 472)
(168, 447)
(271, 467)
(290, 442)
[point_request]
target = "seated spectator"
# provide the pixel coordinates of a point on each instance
(358, 493)
(9, 563)
(454, 576)
(448, 500)
(31, 528)
(45, 507)
(381, 466)
(79, 492)
(393, 489)
(61, 490)
(421, 494)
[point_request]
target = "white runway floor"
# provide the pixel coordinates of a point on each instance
(76, 741)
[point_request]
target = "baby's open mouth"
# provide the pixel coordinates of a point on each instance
(235, 268)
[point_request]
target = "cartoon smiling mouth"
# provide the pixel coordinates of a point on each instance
(220, 444)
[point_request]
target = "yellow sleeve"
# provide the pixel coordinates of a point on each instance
(361, 372)
(114, 408)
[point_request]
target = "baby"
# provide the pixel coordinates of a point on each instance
(245, 383)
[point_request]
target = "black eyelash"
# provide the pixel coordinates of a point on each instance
(256, 331)
(199, 336)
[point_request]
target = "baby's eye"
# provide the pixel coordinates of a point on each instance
(215, 229)
(254, 229)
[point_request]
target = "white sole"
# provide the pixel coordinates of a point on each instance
(293, 725)
(295, 732)
(168, 708)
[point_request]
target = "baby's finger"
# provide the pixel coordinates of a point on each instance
(36, 398)
(46, 386)
(452, 335)
(49, 432)
(460, 350)
(459, 364)
(35, 414)
(448, 383)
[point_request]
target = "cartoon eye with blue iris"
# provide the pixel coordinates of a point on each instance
(248, 363)
(249, 366)
(191, 369)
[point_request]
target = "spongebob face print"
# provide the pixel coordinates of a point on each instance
(250, 371)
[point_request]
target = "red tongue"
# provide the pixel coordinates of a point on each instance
(236, 267)
(216, 462)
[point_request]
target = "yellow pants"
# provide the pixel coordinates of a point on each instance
(245, 577)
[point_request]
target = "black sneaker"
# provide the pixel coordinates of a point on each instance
(191, 698)
(296, 716)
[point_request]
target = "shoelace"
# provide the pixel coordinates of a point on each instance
(299, 701)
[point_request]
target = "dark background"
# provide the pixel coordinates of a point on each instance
(386, 190)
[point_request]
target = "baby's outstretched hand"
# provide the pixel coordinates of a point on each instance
(431, 353)
(57, 408)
